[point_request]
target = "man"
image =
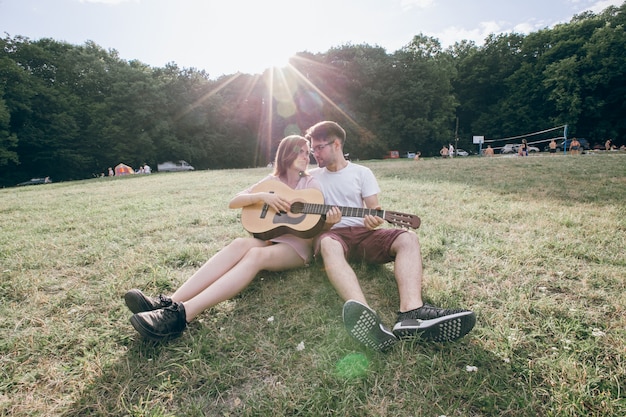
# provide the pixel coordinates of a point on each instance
(552, 147)
(574, 147)
(353, 239)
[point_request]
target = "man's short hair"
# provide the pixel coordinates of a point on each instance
(325, 130)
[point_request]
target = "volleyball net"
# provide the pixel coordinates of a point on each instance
(534, 138)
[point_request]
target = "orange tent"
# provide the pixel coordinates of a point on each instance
(123, 169)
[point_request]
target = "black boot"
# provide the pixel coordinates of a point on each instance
(165, 323)
(137, 302)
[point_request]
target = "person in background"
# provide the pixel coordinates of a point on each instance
(231, 270)
(489, 151)
(351, 239)
(574, 147)
(444, 152)
(552, 147)
(523, 149)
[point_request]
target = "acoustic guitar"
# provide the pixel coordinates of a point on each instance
(306, 216)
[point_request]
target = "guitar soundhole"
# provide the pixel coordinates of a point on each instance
(297, 207)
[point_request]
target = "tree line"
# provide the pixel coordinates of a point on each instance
(71, 111)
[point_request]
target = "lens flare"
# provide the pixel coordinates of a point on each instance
(352, 366)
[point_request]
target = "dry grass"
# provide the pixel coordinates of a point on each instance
(533, 245)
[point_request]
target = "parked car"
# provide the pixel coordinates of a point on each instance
(174, 166)
(461, 152)
(514, 148)
(584, 144)
(35, 181)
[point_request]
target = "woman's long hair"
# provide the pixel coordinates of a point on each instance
(288, 150)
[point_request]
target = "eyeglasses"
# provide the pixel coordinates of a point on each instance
(319, 148)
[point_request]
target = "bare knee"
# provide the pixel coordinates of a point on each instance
(256, 257)
(330, 247)
(244, 243)
(406, 241)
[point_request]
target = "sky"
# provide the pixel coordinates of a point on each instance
(224, 37)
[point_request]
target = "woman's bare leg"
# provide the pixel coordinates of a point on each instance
(214, 268)
(276, 257)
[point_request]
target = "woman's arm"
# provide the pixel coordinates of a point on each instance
(248, 199)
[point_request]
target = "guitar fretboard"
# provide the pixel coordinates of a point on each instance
(308, 208)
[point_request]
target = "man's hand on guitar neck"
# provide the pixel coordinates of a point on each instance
(373, 222)
(332, 217)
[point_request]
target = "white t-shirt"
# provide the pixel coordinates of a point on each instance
(347, 188)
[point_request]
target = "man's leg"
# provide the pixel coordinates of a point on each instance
(408, 270)
(340, 273)
(361, 321)
(415, 318)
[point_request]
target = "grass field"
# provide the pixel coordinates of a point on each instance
(535, 246)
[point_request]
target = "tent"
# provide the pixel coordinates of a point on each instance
(123, 169)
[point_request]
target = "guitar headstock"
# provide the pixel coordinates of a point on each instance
(403, 219)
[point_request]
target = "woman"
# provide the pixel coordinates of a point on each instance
(523, 149)
(230, 270)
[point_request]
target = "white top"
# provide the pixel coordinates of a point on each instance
(347, 188)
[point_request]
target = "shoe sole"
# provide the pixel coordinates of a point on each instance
(148, 334)
(364, 325)
(135, 302)
(442, 329)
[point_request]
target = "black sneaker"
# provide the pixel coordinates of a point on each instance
(365, 326)
(434, 324)
(137, 302)
(165, 323)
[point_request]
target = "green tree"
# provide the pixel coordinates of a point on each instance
(8, 141)
(419, 108)
(604, 78)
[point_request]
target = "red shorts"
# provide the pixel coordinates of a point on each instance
(363, 244)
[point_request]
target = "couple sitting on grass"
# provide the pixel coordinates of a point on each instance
(342, 240)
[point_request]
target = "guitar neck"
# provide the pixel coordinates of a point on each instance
(345, 211)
